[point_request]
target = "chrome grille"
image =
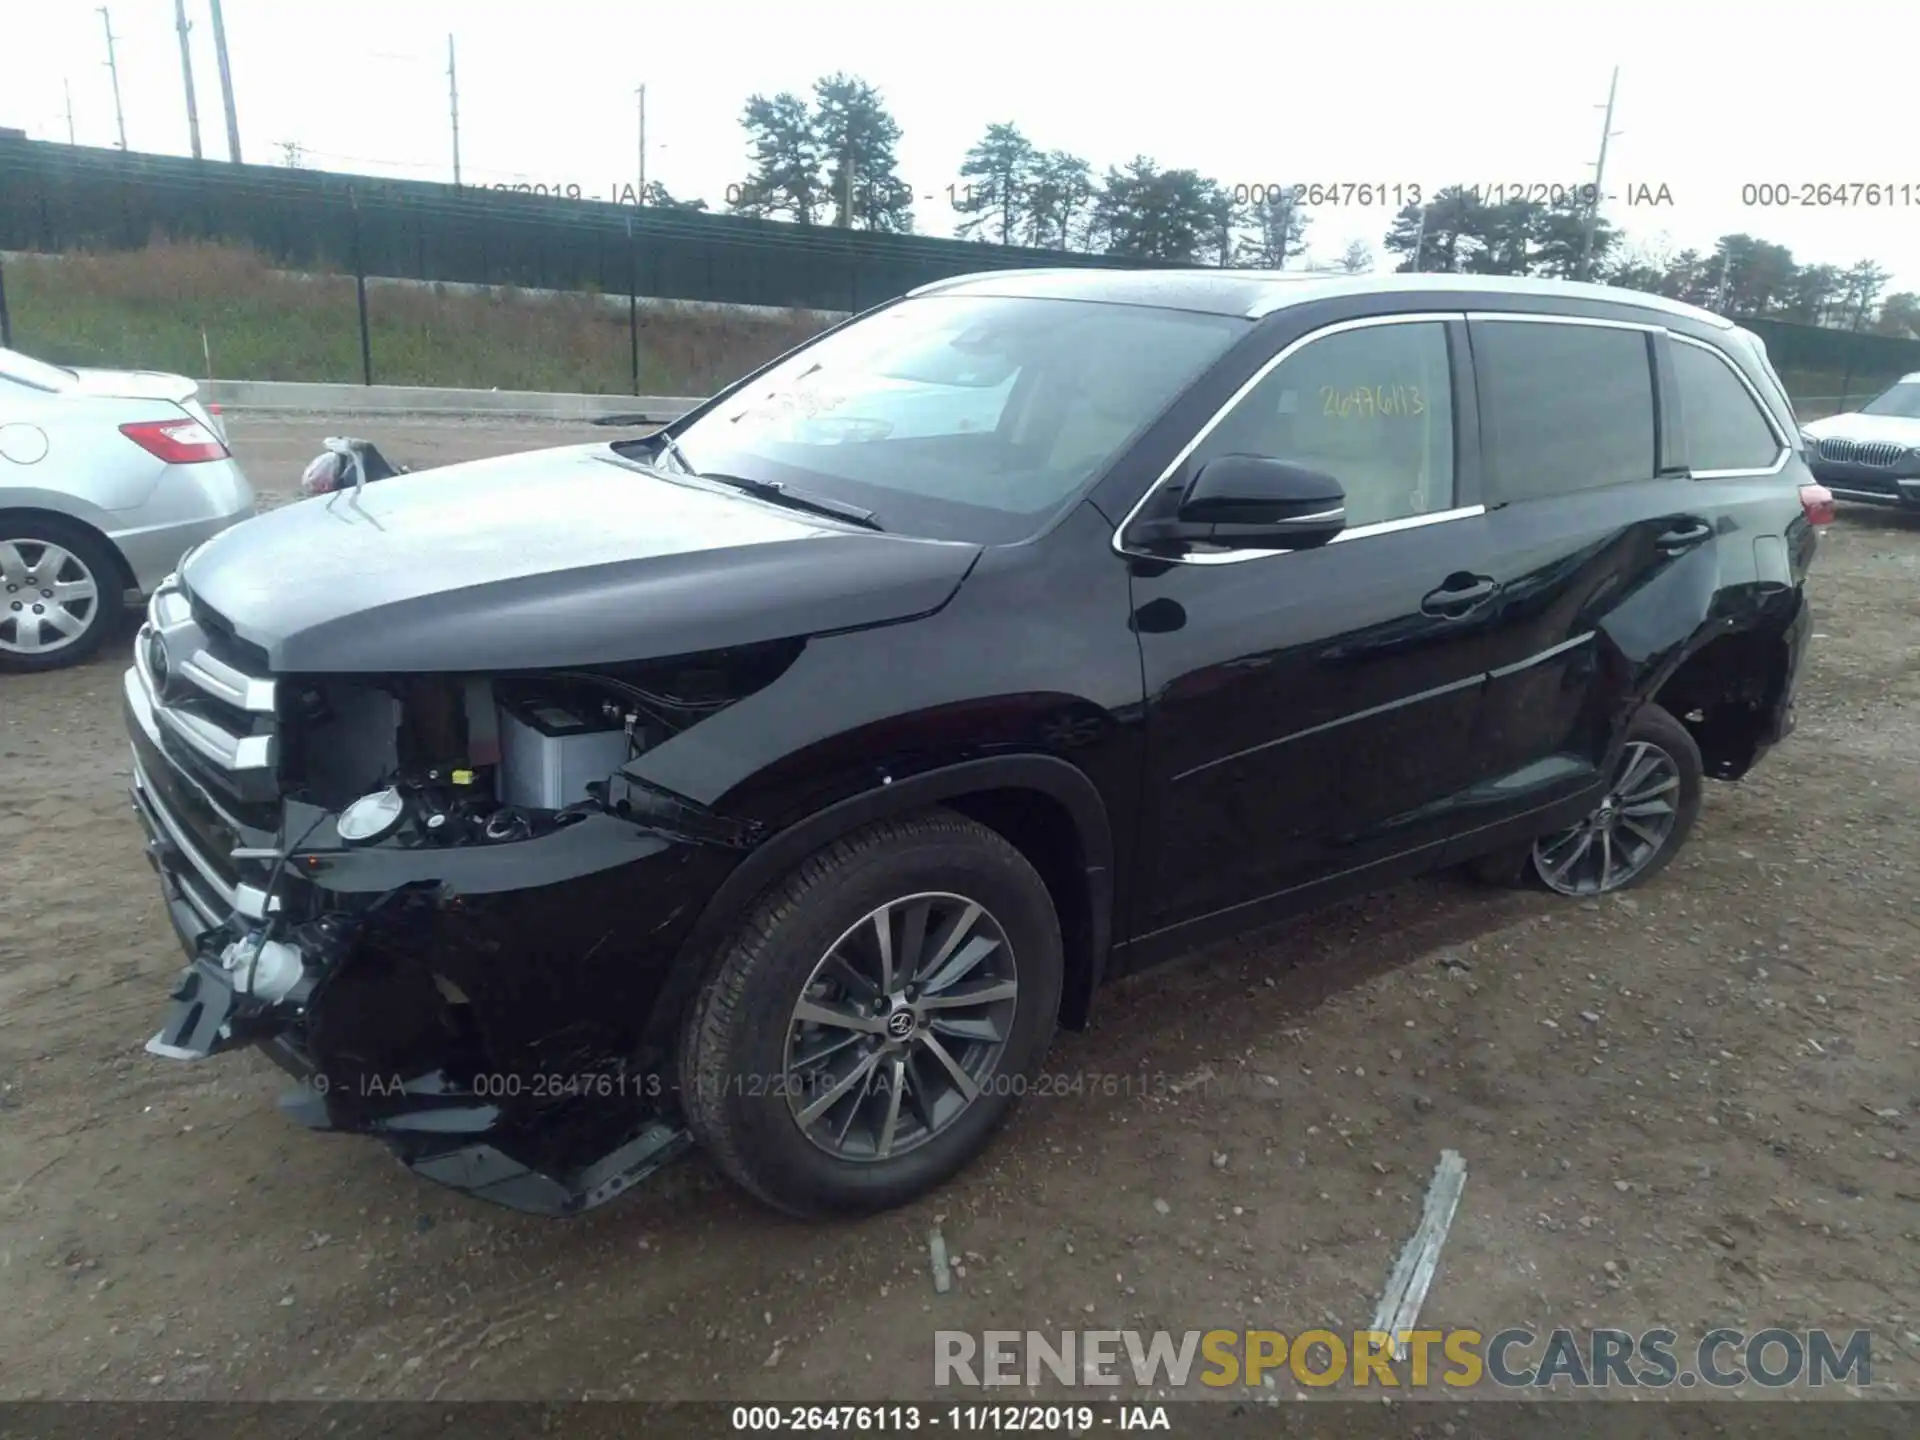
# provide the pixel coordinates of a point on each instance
(211, 705)
(1878, 454)
(204, 715)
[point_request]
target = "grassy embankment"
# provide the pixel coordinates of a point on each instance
(148, 309)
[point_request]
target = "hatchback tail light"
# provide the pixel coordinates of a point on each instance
(1816, 502)
(178, 442)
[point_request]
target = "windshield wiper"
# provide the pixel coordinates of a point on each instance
(779, 494)
(661, 439)
(769, 490)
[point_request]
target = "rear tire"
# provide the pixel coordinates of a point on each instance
(75, 580)
(1666, 793)
(1641, 822)
(794, 1129)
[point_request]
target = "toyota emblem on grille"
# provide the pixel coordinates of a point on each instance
(158, 666)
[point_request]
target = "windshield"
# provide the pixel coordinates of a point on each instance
(961, 417)
(1902, 400)
(28, 371)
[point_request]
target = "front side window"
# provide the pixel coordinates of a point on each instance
(969, 417)
(1902, 400)
(1566, 407)
(1725, 427)
(1372, 407)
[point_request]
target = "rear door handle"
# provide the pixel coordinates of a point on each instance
(1683, 537)
(1454, 601)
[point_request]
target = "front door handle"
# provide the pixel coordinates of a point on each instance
(1456, 599)
(1684, 537)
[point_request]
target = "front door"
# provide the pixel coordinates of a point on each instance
(1310, 712)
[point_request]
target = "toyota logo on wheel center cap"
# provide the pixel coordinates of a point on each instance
(900, 1024)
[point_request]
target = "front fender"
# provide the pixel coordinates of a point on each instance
(902, 794)
(1027, 680)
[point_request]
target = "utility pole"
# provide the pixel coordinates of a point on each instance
(186, 73)
(1607, 132)
(1419, 238)
(453, 103)
(113, 68)
(846, 188)
(226, 81)
(1720, 290)
(641, 198)
(67, 85)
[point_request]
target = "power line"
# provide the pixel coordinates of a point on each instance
(113, 68)
(1607, 132)
(641, 195)
(453, 103)
(226, 81)
(186, 73)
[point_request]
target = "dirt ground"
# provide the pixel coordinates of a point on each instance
(1693, 1106)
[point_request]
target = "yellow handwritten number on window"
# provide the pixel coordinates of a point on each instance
(1368, 401)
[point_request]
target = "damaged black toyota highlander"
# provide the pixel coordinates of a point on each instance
(781, 781)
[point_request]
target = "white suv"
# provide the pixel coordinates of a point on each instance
(1873, 453)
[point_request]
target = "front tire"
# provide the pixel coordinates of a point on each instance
(871, 1023)
(60, 592)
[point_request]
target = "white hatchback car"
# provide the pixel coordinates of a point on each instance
(107, 478)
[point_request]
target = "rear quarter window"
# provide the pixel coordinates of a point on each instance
(1725, 427)
(1567, 406)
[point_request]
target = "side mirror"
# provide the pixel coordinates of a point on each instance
(1250, 502)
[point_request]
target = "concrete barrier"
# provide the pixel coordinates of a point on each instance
(298, 396)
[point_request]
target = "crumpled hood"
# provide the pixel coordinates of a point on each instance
(1869, 428)
(565, 557)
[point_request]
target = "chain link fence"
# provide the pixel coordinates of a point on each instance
(61, 198)
(277, 273)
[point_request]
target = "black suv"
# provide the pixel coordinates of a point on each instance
(782, 779)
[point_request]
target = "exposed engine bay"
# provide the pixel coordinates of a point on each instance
(432, 760)
(488, 761)
(446, 849)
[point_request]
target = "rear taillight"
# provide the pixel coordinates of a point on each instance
(178, 442)
(1816, 502)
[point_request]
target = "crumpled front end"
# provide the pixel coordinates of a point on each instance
(435, 901)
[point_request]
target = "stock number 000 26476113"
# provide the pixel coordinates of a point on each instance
(1863, 194)
(895, 1419)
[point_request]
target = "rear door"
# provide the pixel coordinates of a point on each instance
(1605, 545)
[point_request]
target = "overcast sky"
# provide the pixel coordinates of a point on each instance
(1712, 96)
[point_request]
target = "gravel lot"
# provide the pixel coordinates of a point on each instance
(1693, 1106)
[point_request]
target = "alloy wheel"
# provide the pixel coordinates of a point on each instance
(48, 597)
(1623, 834)
(900, 1026)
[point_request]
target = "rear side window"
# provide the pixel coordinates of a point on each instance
(1725, 427)
(1567, 407)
